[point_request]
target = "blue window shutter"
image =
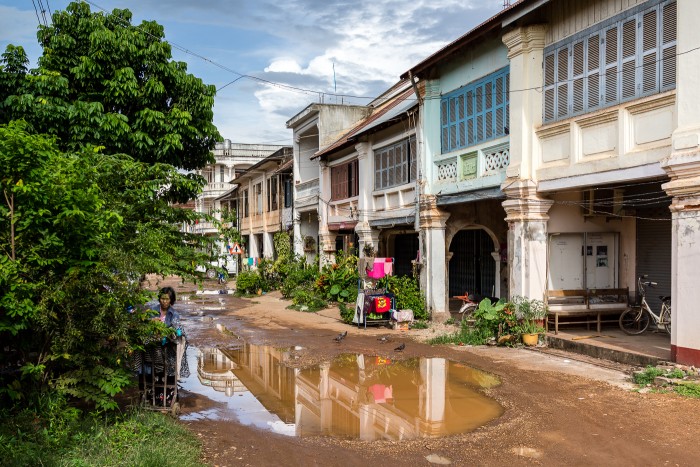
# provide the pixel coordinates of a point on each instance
(668, 25)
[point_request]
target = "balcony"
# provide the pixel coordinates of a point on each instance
(306, 194)
(477, 168)
(214, 190)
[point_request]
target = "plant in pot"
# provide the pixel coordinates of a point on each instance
(530, 315)
(368, 250)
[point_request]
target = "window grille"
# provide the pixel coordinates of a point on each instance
(629, 57)
(476, 112)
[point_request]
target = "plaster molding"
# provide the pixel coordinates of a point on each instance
(524, 203)
(684, 170)
(432, 217)
(525, 39)
(432, 89)
(362, 150)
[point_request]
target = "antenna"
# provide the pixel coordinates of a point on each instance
(506, 4)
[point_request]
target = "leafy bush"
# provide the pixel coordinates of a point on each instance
(647, 376)
(688, 390)
(338, 281)
(296, 273)
(346, 313)
(408, 295)
(247, 282)
(307, 300)
(420, 324)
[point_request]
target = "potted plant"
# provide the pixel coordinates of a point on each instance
(368, 250)
(530, 314)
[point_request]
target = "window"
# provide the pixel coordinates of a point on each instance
(476, 112)
(221, 173)
(288, 192)
(345, 181)
(258, 198)
(627, 57)
(396, 164)
(272, 194)
(246, 212)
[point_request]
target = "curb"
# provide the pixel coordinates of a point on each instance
(619, 356)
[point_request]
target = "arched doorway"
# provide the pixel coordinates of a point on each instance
(472, 267)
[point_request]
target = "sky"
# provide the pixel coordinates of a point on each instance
(337, 51)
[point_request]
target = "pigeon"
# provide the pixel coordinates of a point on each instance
(341, 336)
(383, 340)
(400, 347)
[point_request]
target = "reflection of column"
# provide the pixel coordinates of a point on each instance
(326, 405)
(432, 222)
(432, 404)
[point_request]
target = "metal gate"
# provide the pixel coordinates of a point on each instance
(405, 250)
(472, 268)
(654, 242)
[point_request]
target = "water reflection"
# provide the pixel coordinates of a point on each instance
(354, 396)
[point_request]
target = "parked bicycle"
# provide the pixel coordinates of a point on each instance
(637, 318)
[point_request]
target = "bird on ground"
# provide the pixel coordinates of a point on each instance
(341, 336)
(400, 347)
(383, 340)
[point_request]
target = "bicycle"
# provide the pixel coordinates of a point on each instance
(636, 320)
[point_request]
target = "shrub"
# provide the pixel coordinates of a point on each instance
(346, 313)
(247, 282)
(648, 375)
(408, 295)
(338, 281)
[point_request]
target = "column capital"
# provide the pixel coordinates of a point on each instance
(432, 88)
(432, 217)
(525, 39)
(684, 187)
(362, 149)
(524, 203)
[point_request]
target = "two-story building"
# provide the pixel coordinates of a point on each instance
(314, 128)
(560, 133)
(368, 182)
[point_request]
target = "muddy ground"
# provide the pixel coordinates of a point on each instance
(559, 409)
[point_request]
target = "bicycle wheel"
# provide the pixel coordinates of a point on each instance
(634, 321)
(666, 315)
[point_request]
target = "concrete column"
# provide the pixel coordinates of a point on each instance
(496, 255)
(297, 239)
(526, 214)
(432, 222)
(367, 235)
(365, 202)
(683, 167)
(327, 248)
(526, 54)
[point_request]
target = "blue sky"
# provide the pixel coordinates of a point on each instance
(295, 42)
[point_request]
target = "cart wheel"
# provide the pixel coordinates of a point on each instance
(175, 409)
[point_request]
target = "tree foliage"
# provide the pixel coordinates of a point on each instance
(91, 143)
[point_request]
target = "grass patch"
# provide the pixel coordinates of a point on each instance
(688, 390)
(647, 376)
(138, 438)
(420, 324)
(466, 336)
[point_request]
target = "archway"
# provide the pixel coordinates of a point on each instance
(472, 267)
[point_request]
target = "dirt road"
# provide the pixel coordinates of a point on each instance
(557, 410)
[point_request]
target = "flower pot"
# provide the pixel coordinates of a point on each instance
(530, 339)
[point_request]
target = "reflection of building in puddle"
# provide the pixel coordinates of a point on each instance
(355, 395)
(373, 398)
(254, 368)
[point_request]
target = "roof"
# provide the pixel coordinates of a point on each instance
(495, 22)
(382, 115)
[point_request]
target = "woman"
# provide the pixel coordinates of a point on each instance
(165, 308)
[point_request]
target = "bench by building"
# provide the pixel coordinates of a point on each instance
(585, 306)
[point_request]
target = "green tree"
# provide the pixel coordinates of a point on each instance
(92, 144)
(104, 81)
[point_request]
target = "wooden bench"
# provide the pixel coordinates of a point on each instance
(588, 306)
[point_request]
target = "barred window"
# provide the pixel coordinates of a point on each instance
(344, 181)
(272, 193)
(477, 112)
(395, 164)
(632, 56)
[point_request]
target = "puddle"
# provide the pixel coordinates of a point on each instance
(353, 396)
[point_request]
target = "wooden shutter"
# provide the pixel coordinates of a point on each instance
(549, 87)
(413, 158)
(668, 46)
(593, 72)
(650, 44)
(562, 82)
(444, 123)
(577, 69)
(470, 118)
(629, 59)
(611, 51)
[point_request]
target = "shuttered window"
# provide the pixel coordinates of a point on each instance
(476, 112)
(395, 164)
(628, 58)
(344, 181)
